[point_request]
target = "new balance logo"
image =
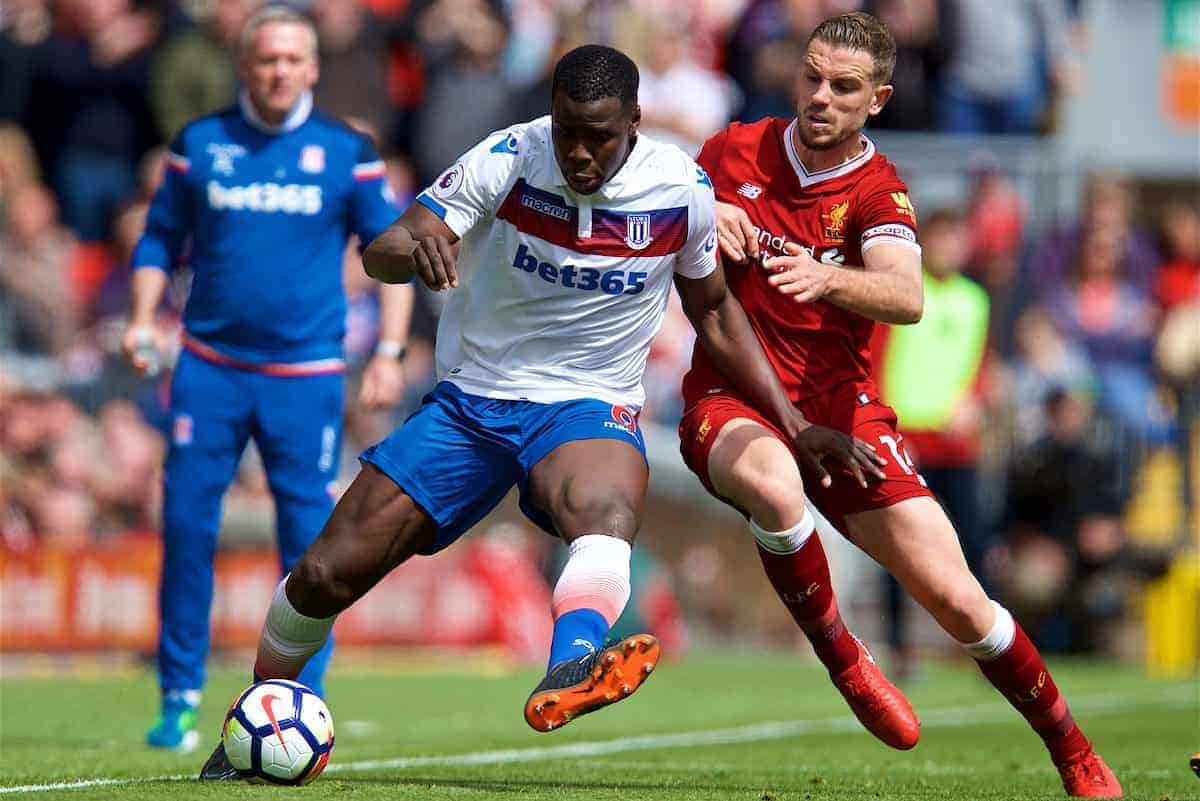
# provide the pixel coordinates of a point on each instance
(750, 190)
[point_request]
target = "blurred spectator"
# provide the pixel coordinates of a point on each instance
(682, 102)
(92, 120)
(1004, 57)
(125, 481)
(1044, 361)
(402, 179)
(533, 101)
(462, 42)
(531, 45)
(996, 221)
(354, 62)
(1178, 279)
(940, 400)
(766, 52)
(24, 24)
(104, 284)
(1065, 534)
(69, 478)
(194, 73)
(924, 33)
(1107, 206)
(150, 172)
(18, 164)
(41, 312)
(1114, 321)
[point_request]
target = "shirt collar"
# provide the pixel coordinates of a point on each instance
(294, 119)
(809, 178)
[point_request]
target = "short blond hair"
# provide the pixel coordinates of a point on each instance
(272, 15)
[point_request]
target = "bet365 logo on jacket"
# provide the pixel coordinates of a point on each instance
(269, 198)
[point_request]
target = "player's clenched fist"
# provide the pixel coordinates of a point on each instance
(736, 234)
(434, 264)
(800, 275)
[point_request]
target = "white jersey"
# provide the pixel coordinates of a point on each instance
(560, 294)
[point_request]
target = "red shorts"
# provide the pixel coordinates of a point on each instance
(851, 408)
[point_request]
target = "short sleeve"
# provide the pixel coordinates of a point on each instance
(473, 187)
(698, 256)
(887, 216)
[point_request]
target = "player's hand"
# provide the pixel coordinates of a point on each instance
(434, 262)
(815, 443)
(736, 234)
(800, 275)
(142, 346)
(382, 383)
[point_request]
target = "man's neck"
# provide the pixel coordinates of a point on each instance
(273, 123)
(818, 160)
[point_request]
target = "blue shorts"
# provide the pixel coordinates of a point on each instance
(459, 454)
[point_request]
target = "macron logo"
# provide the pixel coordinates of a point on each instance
(750, 190)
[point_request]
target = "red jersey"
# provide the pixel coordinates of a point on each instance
(836, 214)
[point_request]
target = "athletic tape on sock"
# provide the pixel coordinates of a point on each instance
(288, 637)
(596, 576)
(785, 542)
(998, 640)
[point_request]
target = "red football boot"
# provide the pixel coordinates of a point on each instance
(1086, 776)
(877, 703)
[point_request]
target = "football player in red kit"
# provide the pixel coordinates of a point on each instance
(819, 237)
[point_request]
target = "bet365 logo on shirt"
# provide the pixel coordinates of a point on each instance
(586, 279)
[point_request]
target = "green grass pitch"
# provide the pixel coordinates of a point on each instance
(752, 727)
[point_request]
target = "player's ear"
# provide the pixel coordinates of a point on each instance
(635, 119)
(882, 95)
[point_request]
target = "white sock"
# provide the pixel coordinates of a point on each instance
(288, 638)
(998, 640)
(596, 576)
(788, 541)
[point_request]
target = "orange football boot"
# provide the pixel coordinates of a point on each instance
(575, 687)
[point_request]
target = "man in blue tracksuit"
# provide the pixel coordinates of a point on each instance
(263, 196)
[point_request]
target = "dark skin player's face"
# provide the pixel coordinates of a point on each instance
(592, 139)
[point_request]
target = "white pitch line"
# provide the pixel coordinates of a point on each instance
(975, 714)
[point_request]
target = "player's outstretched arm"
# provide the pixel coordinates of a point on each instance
(419, 244)
(725, 332)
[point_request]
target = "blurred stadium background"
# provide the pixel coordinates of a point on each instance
(1052, 150)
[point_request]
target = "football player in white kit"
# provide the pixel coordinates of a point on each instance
(573, 228)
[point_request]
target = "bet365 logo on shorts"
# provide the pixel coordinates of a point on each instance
(623, 419)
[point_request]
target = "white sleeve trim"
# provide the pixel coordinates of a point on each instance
(889, 240)
(697, 271)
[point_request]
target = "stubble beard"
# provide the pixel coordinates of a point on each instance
(826, 144)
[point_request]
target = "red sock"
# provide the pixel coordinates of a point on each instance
(801, 580)
(1022, 677)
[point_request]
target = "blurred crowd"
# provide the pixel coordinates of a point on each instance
(1090, 365)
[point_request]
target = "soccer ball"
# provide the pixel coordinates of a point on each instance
(280, 732)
